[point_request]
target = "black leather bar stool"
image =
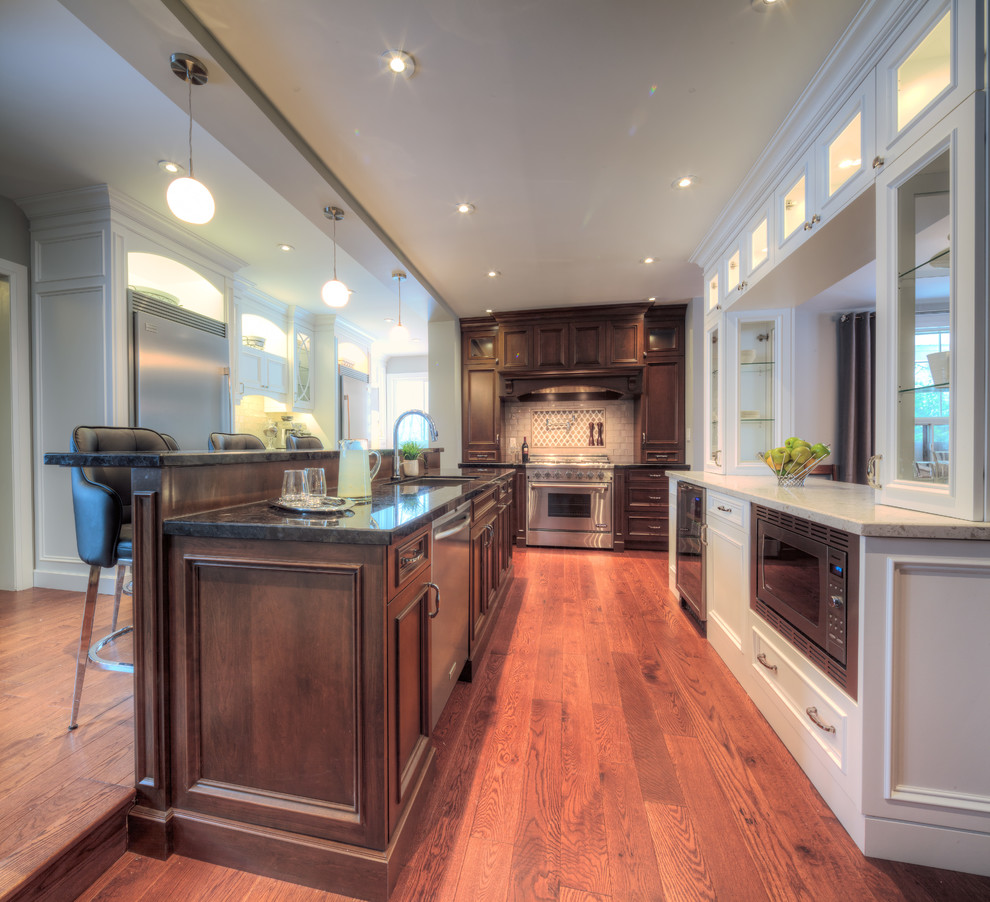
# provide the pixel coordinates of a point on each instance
(235, 441)
(101, 506)
(295, 442)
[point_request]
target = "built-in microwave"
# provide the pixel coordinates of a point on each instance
(804, 584)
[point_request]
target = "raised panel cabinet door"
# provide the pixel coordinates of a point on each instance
(514, 344)
(477, 591)
(625, 342)
(663, 411)
(550, 346)
(587, 344)
(407, 692)
(480, 411)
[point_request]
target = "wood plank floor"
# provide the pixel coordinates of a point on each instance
(605, 753)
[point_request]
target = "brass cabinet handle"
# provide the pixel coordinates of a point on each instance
(415, 559)
(812, 713)
(432, 614)
(762, 658)
(653, 527)
(655, 497)
(727, 510)
(871, 471)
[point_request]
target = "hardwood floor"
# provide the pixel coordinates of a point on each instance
(605, 753)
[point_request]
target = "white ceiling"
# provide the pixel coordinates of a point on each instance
(563, 121)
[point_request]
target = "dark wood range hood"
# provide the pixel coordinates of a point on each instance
(572, 385)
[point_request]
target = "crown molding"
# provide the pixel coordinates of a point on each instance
(870, 34)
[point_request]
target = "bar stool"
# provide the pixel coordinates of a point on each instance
(101, 507)
(296, 442)
(235, 441)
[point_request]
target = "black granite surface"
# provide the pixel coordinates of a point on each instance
(158, 459)
(395, 510)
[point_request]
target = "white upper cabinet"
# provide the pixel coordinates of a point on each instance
(713, 298)
(794, 205)
(932, 318)
(714, 458)
(757, 247)
(929, 70)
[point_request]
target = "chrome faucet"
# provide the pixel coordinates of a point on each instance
(434, 435)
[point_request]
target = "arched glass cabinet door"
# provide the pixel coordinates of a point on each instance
(931, 308)
(302, 392)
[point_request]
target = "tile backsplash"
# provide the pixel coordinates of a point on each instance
(565, 426)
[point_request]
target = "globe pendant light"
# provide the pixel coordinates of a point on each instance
(334, 293)
(399, 332)
(189, 199)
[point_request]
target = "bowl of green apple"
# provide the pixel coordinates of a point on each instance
(794, 460)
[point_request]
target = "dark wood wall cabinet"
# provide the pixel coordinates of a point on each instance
(632, 351)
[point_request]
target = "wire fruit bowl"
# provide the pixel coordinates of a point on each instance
(797, 472)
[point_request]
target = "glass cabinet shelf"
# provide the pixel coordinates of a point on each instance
(936, 267)
(941, 387)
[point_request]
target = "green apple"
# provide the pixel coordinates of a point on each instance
(820, 450)
(801, 456)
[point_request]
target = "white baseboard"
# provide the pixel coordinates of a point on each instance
(925, 844)
(72, 579)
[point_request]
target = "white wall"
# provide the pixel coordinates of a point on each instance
(444, 368)
(815, 378)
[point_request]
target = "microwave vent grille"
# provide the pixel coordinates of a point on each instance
(834, 538)
(828, 665)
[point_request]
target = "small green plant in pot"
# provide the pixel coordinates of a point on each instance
(412, 464)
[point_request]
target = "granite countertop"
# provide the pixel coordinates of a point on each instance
(160, 459)
(395, 510)
(843, 505)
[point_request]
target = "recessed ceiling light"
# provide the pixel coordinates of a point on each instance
(398, 62)
(285, 247)
(389, 319)
(647, 260)
(493, 274)
(465, 208)
(415, 341)
(170, 166)
(684, 181)
(651, 299)
(488, 310)
(761, 6)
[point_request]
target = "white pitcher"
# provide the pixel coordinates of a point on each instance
(355, 471)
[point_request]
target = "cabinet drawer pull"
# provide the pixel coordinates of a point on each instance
(656, 475)
(655, 497)
(727, 510)
(654, 527)
(415, 559)
(432, 614)
(812, 713)
(762, 658)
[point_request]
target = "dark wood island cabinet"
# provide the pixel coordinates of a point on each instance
(282, 677)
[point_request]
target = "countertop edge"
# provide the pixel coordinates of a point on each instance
(842, 505)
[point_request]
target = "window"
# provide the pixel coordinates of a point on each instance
(409, 391)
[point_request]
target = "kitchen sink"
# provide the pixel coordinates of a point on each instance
(437, 481)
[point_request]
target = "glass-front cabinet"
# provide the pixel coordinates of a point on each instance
(755, 411)
(931, 393)
(302, 369)
(714, 458)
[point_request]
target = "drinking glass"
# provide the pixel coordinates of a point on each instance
(294, 486)
(316, 484)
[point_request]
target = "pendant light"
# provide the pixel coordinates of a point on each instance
(188, 199)
(399, 332)
(334, 292)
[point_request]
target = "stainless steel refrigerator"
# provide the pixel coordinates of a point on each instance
(691, 547)
(181, 372)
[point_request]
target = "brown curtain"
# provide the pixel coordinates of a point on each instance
(857, 346)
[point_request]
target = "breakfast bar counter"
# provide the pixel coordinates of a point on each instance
(282, 664)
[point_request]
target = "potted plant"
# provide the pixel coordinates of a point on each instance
(412, 464)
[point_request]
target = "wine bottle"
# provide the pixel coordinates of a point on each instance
(525, 451)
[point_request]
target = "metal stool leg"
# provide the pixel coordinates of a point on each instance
(85, 635)
(117, 592)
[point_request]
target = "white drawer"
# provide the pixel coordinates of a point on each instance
(728, 509)
(781, 668)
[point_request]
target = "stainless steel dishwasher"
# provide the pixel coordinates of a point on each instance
(449, 622)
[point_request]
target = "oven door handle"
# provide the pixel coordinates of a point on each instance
(599, 487)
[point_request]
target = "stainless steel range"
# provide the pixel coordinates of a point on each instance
(570, 501)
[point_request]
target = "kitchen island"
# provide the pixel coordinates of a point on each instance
(282, 665)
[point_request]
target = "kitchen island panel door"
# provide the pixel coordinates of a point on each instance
(268, 724)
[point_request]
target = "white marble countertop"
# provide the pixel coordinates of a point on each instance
(843, 505)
